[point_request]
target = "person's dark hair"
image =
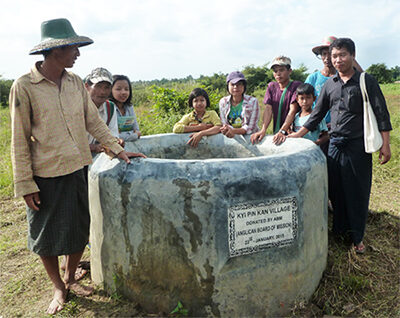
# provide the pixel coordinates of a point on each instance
(346, 43)
(196, 93)
(305, 89)
(244, 84)
(122, 78)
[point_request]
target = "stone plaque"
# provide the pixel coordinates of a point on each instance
(255, 227)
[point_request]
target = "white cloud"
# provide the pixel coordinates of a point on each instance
(174, 38)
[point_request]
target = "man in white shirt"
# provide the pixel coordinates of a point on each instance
(98, 84)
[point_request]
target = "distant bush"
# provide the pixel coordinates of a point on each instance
(257, 77)
(141, 95)
(381, 73)
(5, 86)
(167, 100)
(167, 107)
(299, 74)
(216, 82)
(153, 122)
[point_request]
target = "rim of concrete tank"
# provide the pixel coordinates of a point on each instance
(290, 147)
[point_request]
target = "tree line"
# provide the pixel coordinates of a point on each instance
(257, 78)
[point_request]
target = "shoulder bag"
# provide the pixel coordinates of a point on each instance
(372, 136)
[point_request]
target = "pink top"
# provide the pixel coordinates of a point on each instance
(273, 96)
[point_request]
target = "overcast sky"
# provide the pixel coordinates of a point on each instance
(149, 39)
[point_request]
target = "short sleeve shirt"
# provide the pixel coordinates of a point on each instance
(273, 96)
(235, 116)
(311, 135)
(317, 80)
(210, 117)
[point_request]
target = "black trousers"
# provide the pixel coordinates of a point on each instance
(350, 177)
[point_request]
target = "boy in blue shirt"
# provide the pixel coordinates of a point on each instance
(305, 98)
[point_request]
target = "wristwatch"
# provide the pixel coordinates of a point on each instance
(283, 132)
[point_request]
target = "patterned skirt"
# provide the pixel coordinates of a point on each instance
(61, 226)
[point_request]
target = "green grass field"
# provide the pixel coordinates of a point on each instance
(6, 186)
(352, 285)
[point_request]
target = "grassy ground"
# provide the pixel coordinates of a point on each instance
(5, 160)
(352, 285)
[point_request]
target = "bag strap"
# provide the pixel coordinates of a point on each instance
(363, 88)
(278, 120)
(110, 111)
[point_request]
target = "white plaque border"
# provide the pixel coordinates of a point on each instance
(233, 252)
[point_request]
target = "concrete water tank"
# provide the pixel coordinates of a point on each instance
(228, 229)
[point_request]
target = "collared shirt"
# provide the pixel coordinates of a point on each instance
(49, 128)
(250, 112)
(209, 117)
(273, 97)
(346, 105)
(113, 124)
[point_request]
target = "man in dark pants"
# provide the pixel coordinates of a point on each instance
(349, 166)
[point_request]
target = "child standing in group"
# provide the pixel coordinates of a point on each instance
(200, 121)
(121, 95)
(305, 98)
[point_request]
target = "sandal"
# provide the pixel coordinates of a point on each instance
(359, 248)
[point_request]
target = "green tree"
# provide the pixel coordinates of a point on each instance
(395, 73)
(168, 100)
(299, 74)
(381, 73)
(216, 82)
(257, 77)
(5, 86)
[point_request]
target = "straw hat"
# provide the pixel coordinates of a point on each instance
(325, 44)
(56, 33)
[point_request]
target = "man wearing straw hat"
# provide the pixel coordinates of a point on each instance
(51, 114)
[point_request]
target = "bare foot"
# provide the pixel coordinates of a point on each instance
(80, 290)
(58, 301)
(81, 271)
